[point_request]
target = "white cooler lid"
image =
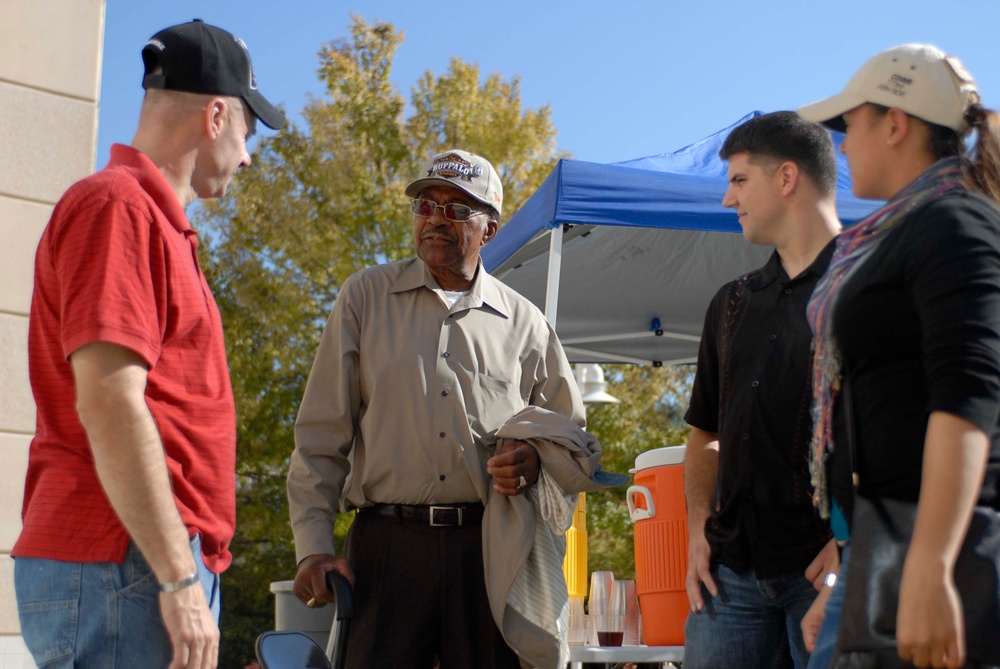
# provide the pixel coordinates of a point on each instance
(659, 457)
(282, 586)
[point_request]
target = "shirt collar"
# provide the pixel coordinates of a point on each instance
(484, 291)
(773, 271)
(818, 266)
(153, 182)
(768, 274)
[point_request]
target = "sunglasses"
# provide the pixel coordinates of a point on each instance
(452, 211)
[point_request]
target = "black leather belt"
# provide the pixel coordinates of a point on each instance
(435, 515)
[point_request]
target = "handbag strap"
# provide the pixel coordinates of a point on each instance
(852, 447)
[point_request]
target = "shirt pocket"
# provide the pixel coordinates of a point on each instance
(491, 403)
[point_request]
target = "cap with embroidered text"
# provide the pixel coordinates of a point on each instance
(199, 58)
(920, 79)
(461, 169)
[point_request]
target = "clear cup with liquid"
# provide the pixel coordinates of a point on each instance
(611, 623)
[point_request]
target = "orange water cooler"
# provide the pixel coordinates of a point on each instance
(656, 505)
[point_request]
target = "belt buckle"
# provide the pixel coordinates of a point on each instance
(433, 523)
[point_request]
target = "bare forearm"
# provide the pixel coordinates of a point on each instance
(129, 458)
(701, 466)
(955, 455)
(130, 462)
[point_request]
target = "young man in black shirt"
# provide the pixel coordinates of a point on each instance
(758, 551)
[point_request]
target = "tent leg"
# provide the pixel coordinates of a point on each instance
(555, 267)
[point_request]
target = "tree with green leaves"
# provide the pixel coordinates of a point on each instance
(321, 202)
(650, 415)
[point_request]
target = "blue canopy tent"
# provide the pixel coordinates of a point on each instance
(624, 258)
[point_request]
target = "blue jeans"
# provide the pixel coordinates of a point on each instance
(97, 614)
(826, 640)
(751, 623)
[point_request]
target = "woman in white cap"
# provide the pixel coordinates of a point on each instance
(907, 326)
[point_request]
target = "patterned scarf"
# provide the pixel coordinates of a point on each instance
(854, 246)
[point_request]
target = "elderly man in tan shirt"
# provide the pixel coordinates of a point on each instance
(421, 363)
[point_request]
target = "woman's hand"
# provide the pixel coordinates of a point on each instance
(930, 628)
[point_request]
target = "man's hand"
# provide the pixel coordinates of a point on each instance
(310, 580)
(515, 469)
(701, 466)
(813, 619)
(192, 628)
(826, 561)
(699, 570)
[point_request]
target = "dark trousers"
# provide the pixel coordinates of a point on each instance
(420, 593)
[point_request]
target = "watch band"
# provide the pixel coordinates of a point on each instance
(174, 586)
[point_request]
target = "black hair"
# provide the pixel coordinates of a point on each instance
(785, 136)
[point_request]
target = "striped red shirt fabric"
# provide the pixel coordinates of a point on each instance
(117, 264)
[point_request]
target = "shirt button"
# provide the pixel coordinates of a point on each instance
(444, 393)
(445, 354)
(745, 436)
(441, 477)
(788, 291)
(755, 384)
(773, 337)
(441, 435)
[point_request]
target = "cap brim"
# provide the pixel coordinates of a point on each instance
(414, 188)
(830, 112)
(268, 114)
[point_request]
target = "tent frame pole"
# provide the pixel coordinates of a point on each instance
(552, 281)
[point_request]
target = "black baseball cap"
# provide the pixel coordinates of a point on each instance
(198, 58)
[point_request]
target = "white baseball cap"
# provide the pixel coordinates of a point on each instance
(461, 169)
(920, 79)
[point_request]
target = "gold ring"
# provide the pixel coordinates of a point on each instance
(522, 482)
(311, 603)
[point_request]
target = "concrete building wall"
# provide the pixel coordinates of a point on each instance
(50, 73)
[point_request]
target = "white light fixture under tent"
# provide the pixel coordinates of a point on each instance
(593, 387)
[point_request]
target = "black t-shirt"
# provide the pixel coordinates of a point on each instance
(918, 325)
(753, 387)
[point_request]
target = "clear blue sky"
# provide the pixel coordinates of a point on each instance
(624, 78)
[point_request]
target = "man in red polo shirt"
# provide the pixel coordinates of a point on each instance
(130, 494)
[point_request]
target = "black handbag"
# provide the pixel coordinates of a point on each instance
(880, 536)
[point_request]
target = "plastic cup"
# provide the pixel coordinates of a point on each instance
(602, 585)
(611, 624)
(632, 631)
(619, 598)
(577, 634)
(610, 629)
(590, 630)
